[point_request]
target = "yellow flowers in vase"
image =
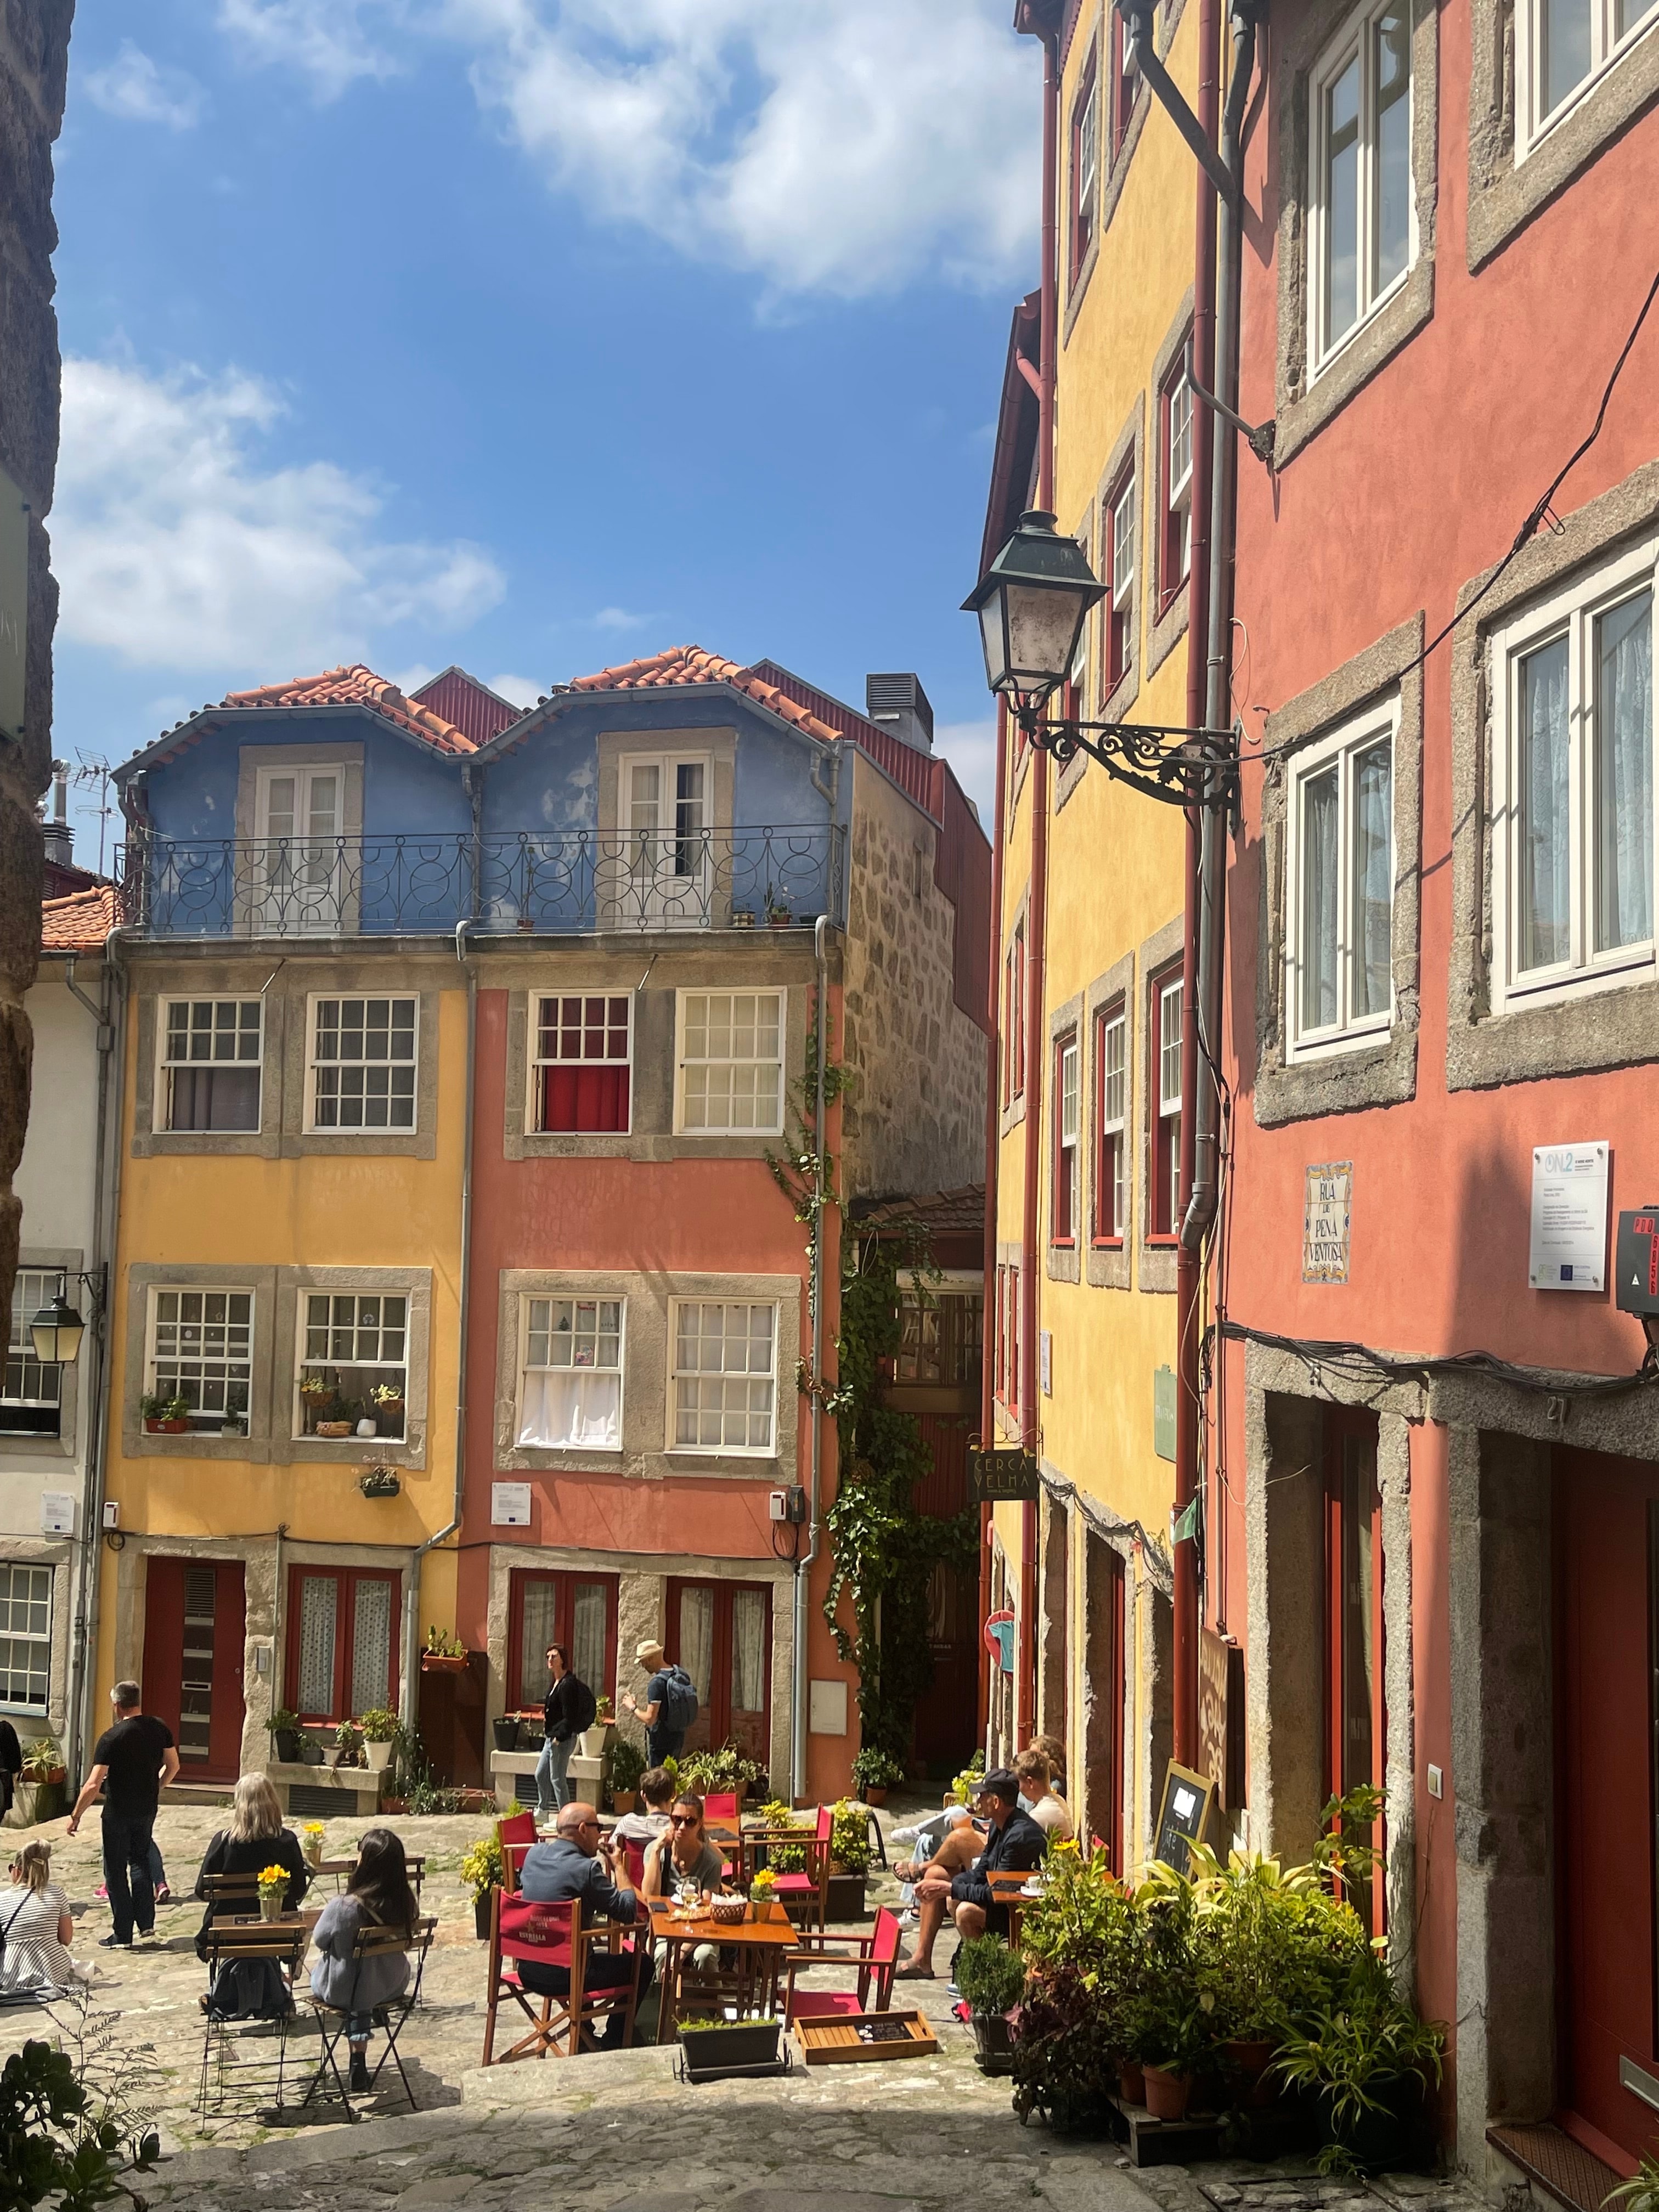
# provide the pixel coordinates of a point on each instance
(273, 1887)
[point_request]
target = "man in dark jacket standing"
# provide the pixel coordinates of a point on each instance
(564, 1868)
(1015, 1844)
(568, 1708)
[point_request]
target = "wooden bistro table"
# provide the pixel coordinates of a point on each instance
(759, 1939)
(1009, 1889)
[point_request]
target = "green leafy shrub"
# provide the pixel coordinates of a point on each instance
(875, 1769)
(481, 1865)
(624, 1764)
(990, 1975)
(849, 1837)
(723, 1770)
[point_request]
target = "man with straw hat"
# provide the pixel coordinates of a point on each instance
(669, 1710)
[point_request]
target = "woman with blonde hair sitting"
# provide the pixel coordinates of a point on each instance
(255, 1839)
(36, 1930)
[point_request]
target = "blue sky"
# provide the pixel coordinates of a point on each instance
(531, 334)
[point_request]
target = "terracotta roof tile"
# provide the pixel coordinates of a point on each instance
(80, 922)
(357, 686)
(689, 664)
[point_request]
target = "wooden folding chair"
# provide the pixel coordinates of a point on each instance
(515, 1833)
(814, 1882)
(523, 1932)
(875, 1957)
(388, 2015)
(225, 2041)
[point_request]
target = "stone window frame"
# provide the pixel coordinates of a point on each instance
(347, 756)
(702, 1139)
(1305, 402)
(1127, 460)
(57, 1553)
(150, 1088)
(409, 1451)
(521, 1139)
(308, 1128)
(1506, 192)
(1065, 1261)
(1011, 1116)
(154, 1039)
(1165, 630)
(648, 1298)
(1110, 1267)
(23, 1444)
(1589, 1031)
(1382, 1071)
(1158, 1261)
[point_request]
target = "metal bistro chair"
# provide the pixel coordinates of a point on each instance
(523, 1932)
(390, 2016)
(875, 1957)
(515, 1833)
(226, 2071)
(814, 1881)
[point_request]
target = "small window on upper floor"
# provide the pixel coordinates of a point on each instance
(363, 1064)
(1165, 1176)
(1125, 84)
(1561, 48)
(1062, 1228)
(1118, 550)
(352, 1364)
(725, 1378)
(31, 1397)
(303, 870)
(1339, 939)
(1572, 788)
(579, 1064)
(570, 1388)
(211, 1054)
(1363, 220)
(731, 1063)
(1085, 166)
(1111, 1125)
(1175, 479)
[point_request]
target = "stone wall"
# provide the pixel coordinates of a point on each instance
(34, 60)
(913, 1118)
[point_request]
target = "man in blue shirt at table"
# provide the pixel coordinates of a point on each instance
(578, 1864)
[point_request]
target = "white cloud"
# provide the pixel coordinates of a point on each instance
(176, 549)
(971, 750)
(518, 690)
(326, 40)
(842, 146)
(140, 90)
(618, 618)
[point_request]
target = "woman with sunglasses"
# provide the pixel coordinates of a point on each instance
(683, 1854)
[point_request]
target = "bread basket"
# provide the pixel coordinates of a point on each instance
(727, 1912)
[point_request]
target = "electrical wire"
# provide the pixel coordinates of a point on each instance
(1362, 1363)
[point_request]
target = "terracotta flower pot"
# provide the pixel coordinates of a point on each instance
(876, 1794)
(175, 1428)
(1132, 2082)
(1167, 2093)
(333, 1430)
(443, 1662)
(1247, 2059)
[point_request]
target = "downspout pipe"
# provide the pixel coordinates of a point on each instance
(987, 1416)
(815, 1440)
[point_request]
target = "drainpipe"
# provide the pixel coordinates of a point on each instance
(987, 1416)
(411, 1698)
(815, 1440)
(83, 1638)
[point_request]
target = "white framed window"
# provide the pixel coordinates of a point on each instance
(1339, 936)
(201, 1350)
(1112, 1090)
(212, 1051)
(1121, 602)
(1167, 1001)
(1572, 787)
(1177, 427)
(1064, 1229)
(25, 1636)
(725, 1380)
(361, 1064)
(299, 860)
(663, 814)
(31, 1399)
(1562, 47)
(1361, 230)
(571, 1375)
(730, 1077)
(353, 1361)
(581, 1058)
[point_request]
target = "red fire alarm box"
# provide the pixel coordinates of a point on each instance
(1637, 1262)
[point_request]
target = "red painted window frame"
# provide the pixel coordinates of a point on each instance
(714, 1698)
(345, 1628)
(1118, 622)
(520, 1694)
(1125, 84)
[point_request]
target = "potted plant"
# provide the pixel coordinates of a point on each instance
(43, 1761)
(992, 1979)
(714, 2050)
(481, 1870)
(443, 1654)
(273, 1887)
(379, 1729)
(311, 1842)
(505, 1727)
(849, 1859)
(1366, 2064)
(777, 911)
(284, 1729)
(874, 1773)
(167, 1417)
(378, 1482)
(348, 1745)
(624, 1765)
(1175, 2040)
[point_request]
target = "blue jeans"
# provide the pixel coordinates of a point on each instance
(128, 1844)
(663, 1742)
(552, 1789)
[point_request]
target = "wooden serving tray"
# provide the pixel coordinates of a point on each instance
(836, 2042)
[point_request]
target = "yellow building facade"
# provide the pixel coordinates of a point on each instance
(1090, 950)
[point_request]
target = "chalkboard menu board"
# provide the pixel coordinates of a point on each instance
(1181, 1819)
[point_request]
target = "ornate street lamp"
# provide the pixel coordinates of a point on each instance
(57, 1328)
(1032, 603)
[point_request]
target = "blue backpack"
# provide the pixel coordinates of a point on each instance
(679, 1700)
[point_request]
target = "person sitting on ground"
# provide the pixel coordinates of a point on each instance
(36, 1931)
(657, 1788)
(1038, 1798)
(254, 1839)
(1015, 1844)
(684, 1853)
(378, 1893)
(563, 1870)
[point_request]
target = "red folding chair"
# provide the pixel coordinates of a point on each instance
(720, 1805)
(635, 1854)
(814, 1881)
(515, 1834)
(875, 1957)
(521, 1930)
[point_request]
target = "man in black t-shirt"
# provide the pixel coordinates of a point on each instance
(129, 1762)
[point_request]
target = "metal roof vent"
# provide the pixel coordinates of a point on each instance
(897, 703)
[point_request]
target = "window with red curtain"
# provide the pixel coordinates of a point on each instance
(581, 1065)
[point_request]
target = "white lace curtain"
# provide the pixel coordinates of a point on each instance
(569, 1410)
(1319, 874)
(1546, 885)
(1624, 775)
(748, 1650)
(697, 1636)
(1373, 891)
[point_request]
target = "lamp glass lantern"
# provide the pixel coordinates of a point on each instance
(57, 1330)
(1032, 603)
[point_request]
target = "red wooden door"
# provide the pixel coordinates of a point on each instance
(722, 1634)
(1605, 1547)
(194, 1621)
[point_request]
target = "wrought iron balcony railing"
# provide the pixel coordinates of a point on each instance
(578, 881)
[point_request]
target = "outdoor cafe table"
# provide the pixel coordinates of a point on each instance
(760, 1941)
(1009, 1889)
